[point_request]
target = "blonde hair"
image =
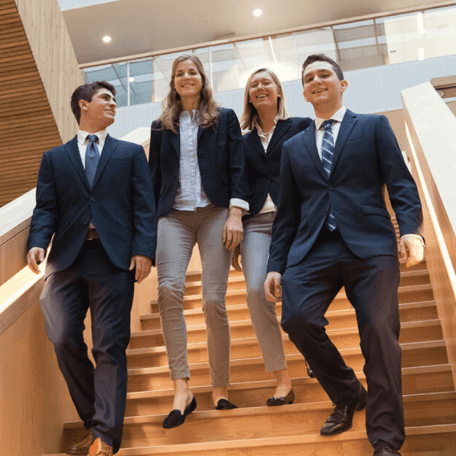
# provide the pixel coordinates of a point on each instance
(250, 118)
(172, 104)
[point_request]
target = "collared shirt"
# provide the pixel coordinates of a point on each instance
(83, 142)
(190, 193)
(338, 116)
(268, 205)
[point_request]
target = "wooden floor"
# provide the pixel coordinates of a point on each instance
(253, 428)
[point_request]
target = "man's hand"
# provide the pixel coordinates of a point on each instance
(412, 250)
(273, 287)
(35, 256)
(143, 265)
(233, 231)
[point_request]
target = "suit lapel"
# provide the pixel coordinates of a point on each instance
(310, 144)
(110, 146)
(175, 141)
(255, 141)
(281, 128)
(348, 122)
(72, 150)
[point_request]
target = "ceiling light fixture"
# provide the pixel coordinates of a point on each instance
(107, 39)
(131, 79)
(257, 12)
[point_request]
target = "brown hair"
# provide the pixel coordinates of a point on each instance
(86, 92)
(250, 118)
(322, 58)
(172, 104)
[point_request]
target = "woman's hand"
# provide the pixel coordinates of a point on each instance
(233, 230)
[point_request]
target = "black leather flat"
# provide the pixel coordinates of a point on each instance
(176, 418)
(223, 404)
(283, 400)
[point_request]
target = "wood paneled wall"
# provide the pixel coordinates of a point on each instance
(431, 130)
(38, 71)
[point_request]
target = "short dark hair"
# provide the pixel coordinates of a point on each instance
(86, 92)
(322, 58)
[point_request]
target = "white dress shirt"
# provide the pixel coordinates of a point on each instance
(83, 142)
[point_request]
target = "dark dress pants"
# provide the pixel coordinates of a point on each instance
(92, 281)
(371, 287)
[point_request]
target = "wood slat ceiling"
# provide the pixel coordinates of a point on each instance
(27, 124)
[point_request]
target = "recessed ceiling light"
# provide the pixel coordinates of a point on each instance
(131, 79)
(257, 12)
(107, 39)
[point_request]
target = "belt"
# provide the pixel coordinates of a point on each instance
(91, 235)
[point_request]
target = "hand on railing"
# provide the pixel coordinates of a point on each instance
(35, 256)
(412, 249)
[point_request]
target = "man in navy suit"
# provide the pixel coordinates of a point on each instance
(333, 230)
(95, 200)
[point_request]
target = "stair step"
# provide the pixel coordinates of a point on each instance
(412, 293)
(436, 409)
(409, 311)
(252, 369)
(245, 345)
(416, 380)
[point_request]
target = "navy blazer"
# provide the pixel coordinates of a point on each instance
(220, 159)
(366, 157)
(120, 204)
(263, 169)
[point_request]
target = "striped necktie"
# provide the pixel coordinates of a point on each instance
(327, 154)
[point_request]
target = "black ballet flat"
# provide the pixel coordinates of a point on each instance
(283, 400)
(223, 404)
(176, 418)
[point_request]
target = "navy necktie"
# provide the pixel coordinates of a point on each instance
(91, 158)
(327, 154)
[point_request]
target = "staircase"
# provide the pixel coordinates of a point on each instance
(254, 429)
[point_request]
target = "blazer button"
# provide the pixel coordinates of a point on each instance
(92, 199)
(331, 188)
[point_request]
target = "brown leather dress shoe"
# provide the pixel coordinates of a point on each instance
(99, 448)
(342, 418)
(82, 447)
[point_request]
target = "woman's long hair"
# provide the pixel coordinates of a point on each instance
(172, 104)
(250, 118)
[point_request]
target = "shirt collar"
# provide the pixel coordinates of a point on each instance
(82, 136)
(338, 116)
(260, 130)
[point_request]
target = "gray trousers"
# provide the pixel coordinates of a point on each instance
(177, 234)
(255, 253)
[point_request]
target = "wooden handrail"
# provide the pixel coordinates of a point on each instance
(431, 131)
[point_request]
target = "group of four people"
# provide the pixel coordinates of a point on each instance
(318, 193)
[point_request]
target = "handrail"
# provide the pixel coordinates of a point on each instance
(431, 132)
(238, 39)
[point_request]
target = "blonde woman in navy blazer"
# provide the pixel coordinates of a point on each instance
(270, 126)
(198, 171)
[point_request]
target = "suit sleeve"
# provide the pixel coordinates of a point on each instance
(156, 134)
(288, 216)
(44, 219)
(143, 207)
(400, 184)
(238, 174)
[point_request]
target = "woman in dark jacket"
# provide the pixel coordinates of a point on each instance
(270, 126)
(197, 165)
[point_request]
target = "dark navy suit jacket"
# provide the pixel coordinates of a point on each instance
(220, 159)
(263, 169)
(120, 204)
(366, 158)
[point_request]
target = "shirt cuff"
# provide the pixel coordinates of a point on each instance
(241, 204)
(415, 235)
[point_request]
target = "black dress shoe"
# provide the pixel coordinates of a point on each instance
(282, 400)
(382, 448)
(342, 418)
(176, 418)
(223, 404)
